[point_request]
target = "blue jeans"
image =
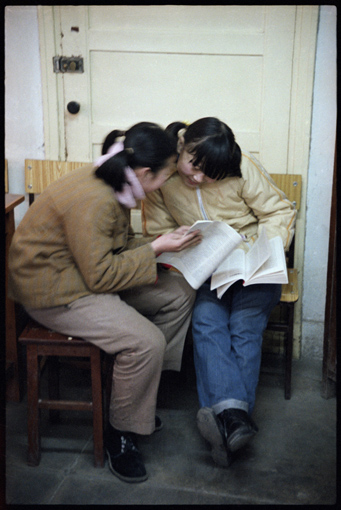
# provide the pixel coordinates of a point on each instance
(227, 337)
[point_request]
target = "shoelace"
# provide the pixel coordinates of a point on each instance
(228, 421)
(127, 443)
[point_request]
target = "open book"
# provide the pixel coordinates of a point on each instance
(264, 263)
(217, 256)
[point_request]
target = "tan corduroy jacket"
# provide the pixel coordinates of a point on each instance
(75, 240)
(245, 204)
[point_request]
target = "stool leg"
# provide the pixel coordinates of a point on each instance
(288, 353)
(97, 408)
(33, 412)
(53, 385)
(108, 373)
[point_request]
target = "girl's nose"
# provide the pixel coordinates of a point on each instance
(199, 177)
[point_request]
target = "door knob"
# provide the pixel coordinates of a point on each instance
(73, 107)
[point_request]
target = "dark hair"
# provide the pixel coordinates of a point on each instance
(145, 145)
(213, 146)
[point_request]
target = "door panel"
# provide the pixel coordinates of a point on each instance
(182, 18)
(130, 99)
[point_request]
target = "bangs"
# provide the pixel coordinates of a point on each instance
(213, 159)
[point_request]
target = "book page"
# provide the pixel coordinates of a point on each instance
(274, 270)
(223, 288)
(239, 266)
(201, 225)
(230, 270)
(197, 263)
(258, 254)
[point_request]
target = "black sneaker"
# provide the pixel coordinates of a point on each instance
(211, 430)
(125, 460)
(158, 424)
(238, 428)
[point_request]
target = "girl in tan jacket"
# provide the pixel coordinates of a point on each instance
(76, 268)
(215, 180)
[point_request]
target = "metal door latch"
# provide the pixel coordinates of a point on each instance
(68, 64)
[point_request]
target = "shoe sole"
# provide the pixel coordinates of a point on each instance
(239, 439)
(129, 479)
(208, 427)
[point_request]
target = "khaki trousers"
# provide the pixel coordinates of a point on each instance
(144, 328)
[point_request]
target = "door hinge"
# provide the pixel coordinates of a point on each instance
(68, 64)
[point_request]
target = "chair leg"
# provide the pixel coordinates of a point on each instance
(33, 376)
(107, 385)
(288, 352)
(97, 408)
(53, 386)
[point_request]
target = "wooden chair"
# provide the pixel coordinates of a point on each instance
(291, 185)
(48, 346)
(43, 344)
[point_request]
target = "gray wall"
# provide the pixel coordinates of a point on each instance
(320, 174)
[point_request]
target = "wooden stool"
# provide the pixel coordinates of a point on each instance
(40, 341)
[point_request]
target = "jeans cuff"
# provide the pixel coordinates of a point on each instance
(231, 403)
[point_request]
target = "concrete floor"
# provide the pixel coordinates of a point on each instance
(292, 459)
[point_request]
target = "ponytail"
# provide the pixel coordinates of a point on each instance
(110, 139)
(174, 128)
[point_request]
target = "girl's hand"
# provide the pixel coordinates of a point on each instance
(177, 240)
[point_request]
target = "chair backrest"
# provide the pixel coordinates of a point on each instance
(40, 173)
(291, 184)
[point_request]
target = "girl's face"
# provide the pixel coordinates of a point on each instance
(192, 176)
(150, 181)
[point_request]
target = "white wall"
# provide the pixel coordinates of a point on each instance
(25, 139)
(320, 174)
(24, 136)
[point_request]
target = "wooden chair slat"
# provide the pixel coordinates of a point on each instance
(290, 289)
(41, 173)
(291, 184)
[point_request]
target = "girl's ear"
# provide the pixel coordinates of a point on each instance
(143, 174)
(181, 144)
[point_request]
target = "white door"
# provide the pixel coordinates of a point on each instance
(252, 66)
(165, 63)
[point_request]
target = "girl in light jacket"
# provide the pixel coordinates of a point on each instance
(76, 268)
(215, 180)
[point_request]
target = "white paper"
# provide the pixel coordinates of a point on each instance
(197, 263)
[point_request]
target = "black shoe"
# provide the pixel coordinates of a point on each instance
(158, 424)
(238, 427)
(212, 430)
(125, 460)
